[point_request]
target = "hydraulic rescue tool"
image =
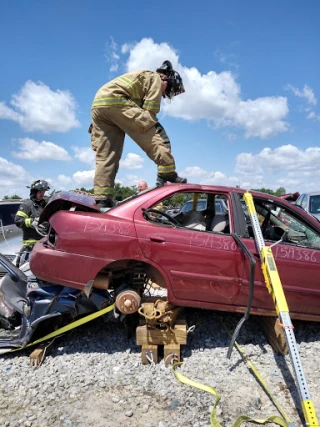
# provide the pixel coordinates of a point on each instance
(275, 289)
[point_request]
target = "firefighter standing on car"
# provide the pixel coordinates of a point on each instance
(128, 105)
(27, 217)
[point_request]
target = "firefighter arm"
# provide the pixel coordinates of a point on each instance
(22, 218)
(153, 94)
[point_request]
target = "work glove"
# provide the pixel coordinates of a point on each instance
(42, 229)
(35, 223)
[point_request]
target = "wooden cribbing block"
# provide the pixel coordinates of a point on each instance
(146, 335)
(37, 356)
(274, 333)
(171, 353)
(149, 353)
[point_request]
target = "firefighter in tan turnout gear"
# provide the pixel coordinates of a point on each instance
(128, 105)
(27, 218)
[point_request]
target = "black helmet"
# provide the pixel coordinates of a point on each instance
(175, 84)
(39, 185)
(165, 68)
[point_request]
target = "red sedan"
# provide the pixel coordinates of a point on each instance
(193, 258)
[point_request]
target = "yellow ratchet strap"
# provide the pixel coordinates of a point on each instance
(71, 325)
(213, 416)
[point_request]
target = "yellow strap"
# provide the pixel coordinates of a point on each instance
(258, 376)
(72, 325)
(213, 416)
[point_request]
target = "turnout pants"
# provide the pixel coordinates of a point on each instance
(110, 124)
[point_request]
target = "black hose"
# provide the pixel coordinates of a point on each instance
(251, 288)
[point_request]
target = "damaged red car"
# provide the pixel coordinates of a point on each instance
(195, 259)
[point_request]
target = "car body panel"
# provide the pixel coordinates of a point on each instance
(199, 268)
(209, 262)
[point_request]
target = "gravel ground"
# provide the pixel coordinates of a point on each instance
(94, 377)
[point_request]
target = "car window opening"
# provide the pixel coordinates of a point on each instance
(277, 222)
(195, 211)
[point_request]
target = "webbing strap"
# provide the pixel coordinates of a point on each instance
(259, 377)
(213, 416)
(70, 326)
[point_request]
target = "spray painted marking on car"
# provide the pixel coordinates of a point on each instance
(296, 254)
(212, 241)
(106, 226)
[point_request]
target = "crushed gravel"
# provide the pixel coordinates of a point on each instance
(94, 377)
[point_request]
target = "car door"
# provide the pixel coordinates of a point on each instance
(297, 259)
(204, 268)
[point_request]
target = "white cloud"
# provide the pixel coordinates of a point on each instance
(37, 108)
(285, 166)
(7, 113)
(132, 161)
(197, 174)
(194, 172)
(289, 158)
(125, 48)
(84, 178)
(306, 93)
(11, 173)
(215, 97)
(219, 178)
(247, 164)
(32, 150)
(111, 55)
(130, 180)
(13, 179)
(85, 155)
(114, 68)
(225, 58)
(63, 179)
(313, 116)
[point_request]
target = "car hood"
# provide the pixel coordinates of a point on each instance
(65, 200)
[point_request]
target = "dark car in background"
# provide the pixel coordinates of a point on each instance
(220, 204)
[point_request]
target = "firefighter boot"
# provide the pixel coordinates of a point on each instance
(170, 177)
(105, 203)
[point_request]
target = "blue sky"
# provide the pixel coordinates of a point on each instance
(250, 115)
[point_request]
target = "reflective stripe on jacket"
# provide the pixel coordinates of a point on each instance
(142, 88)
